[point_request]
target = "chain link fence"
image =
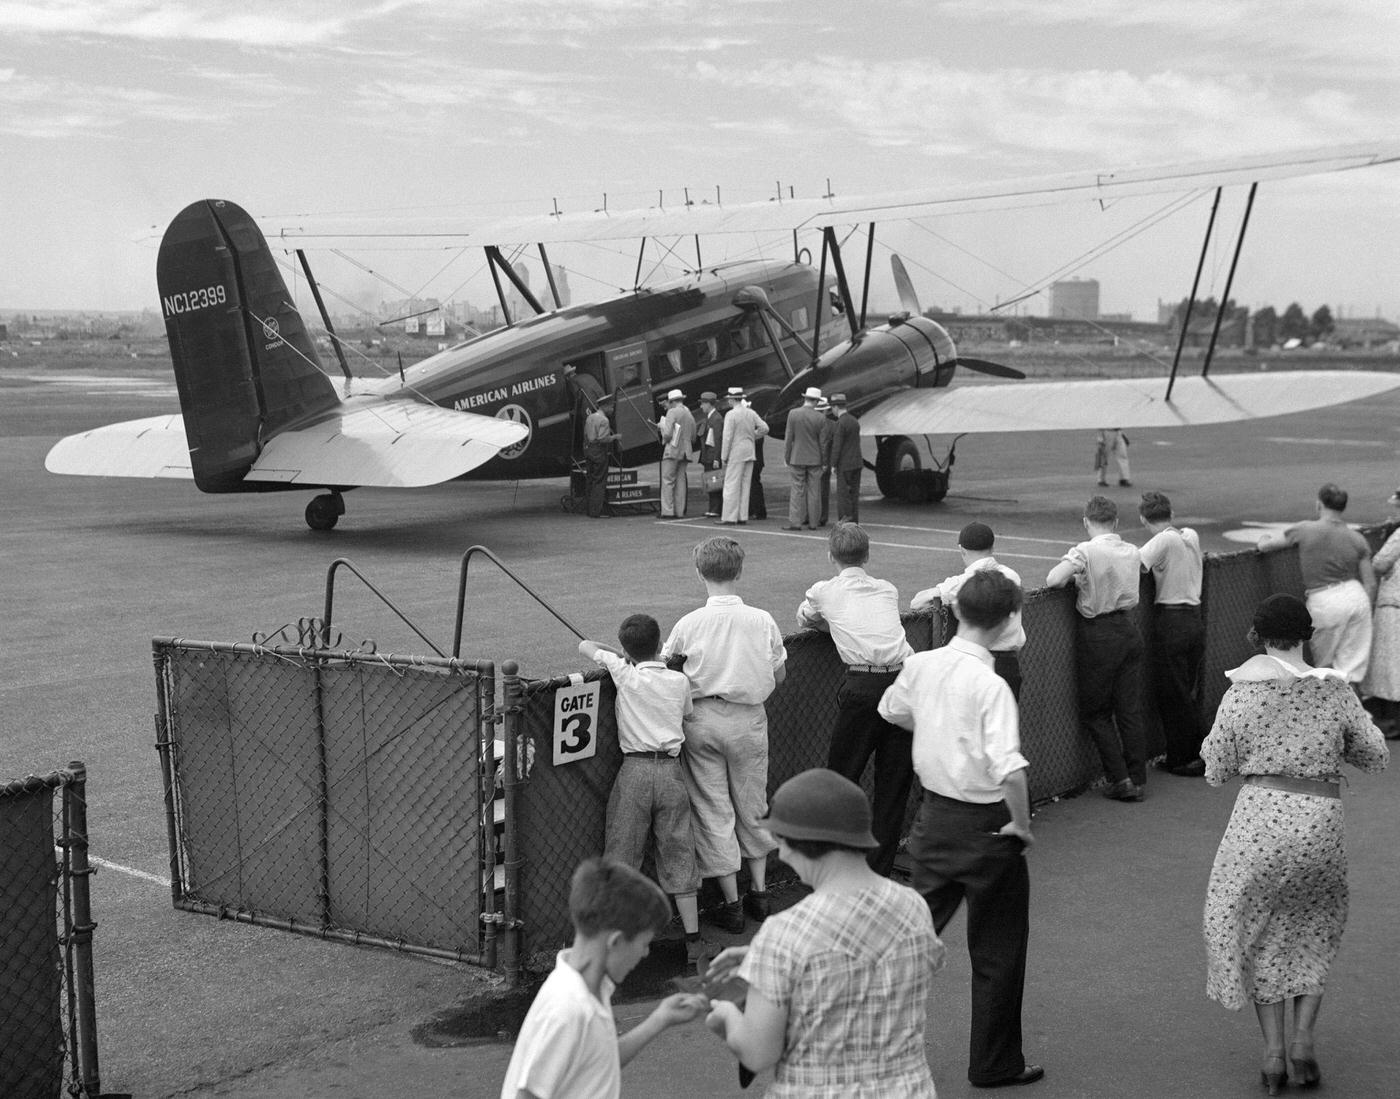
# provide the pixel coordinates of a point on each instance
(342, 794)
(48, 1032)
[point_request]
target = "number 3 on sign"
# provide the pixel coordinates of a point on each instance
(576, 722)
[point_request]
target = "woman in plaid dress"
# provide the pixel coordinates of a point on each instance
(839, 983)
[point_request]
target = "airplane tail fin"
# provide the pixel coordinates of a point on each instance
(245, 365)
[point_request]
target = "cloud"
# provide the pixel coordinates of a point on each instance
(252, 21)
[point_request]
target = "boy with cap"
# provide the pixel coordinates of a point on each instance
(1173, 556)
(975, 543)
(709, 436)
(677, 428)
(568, 1044)
(802, 451)
(861, 614)
(1108, 650)
(973, 827)
(734, 657)
(649, 799)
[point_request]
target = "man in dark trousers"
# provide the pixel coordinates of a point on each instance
(598, 439)
(802, 451)
(846, 461)
(973, 828)
(709, 434)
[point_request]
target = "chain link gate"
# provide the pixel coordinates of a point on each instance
(48, 1018)
(344, 794)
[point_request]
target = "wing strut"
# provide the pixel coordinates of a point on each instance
(498, 263)
(1229, 279)
(1195, 285)
(869, 255)
(325, 317)
(549, 274)
(829, 241)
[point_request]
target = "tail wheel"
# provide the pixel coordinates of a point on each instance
(895, 454)
(325, 510)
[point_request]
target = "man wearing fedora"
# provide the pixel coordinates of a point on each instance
(709, 435)
(742, 427)
(802, 451)
(677, 428)
(846, 461)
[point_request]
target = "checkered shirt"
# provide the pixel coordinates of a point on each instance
(853, 971)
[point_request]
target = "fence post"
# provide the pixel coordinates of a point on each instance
(485, 677)
(510, 921)
(76, 836)
(167, 771)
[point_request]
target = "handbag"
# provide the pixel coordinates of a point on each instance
(713, 480)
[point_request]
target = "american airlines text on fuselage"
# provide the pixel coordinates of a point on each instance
(529, 385)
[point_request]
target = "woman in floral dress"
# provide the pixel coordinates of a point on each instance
(1382, 683)
(1277, 899)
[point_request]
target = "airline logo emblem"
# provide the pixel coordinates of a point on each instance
(521, 416)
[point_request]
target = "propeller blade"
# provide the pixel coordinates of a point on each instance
(902, 283)
(982, 366)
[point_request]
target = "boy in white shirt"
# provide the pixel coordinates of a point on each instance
(568, 1045)
(649, 797)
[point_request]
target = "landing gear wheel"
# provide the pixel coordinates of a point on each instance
(325, 510)
(896, 454)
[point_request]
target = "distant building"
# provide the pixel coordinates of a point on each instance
(1076, 299)
(1363, 332)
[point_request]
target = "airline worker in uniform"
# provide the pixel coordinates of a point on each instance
(598, 439)
(677, 429)
(742, 427)
(709, 435)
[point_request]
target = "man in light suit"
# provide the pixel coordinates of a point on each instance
(677, 428)
(802, 451)
(742, 427)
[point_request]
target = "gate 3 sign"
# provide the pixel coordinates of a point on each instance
(576, 722)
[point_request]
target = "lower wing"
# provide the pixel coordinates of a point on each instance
(383, 444)
(1116, 402)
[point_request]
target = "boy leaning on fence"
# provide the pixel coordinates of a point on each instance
(568, 1044)
(734, 657)
(649, 797)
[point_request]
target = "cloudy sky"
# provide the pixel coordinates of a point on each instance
(115, 114)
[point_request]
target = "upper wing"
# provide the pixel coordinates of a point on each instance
(385, 444)
(1116, 402)
(1104, 185)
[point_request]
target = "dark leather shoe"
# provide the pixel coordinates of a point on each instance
(1028, 1075)
(756, 905)
(727, 917)
(795, 528)
(1127, 790)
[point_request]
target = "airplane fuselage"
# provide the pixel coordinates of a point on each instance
(625, 353)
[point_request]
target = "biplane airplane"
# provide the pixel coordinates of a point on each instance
(260, 413)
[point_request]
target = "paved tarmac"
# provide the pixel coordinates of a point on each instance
(189, 1005)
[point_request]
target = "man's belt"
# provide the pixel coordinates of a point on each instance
(874, 669)
(654, 754)
(1321, 788)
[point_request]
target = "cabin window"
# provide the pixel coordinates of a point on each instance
(799, 318)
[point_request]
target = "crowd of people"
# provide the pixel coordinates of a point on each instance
(837, 984)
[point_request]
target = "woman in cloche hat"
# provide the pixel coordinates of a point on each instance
(838, 983)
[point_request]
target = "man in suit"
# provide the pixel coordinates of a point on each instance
(677, 428)
(846, 461)
(742, 427)
(709, 436)
(802, 451)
